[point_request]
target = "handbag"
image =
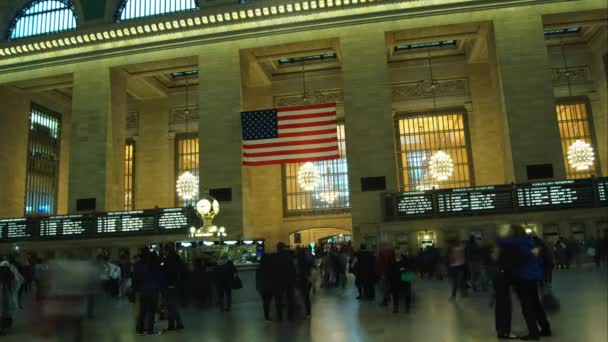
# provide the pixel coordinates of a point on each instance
(407, 277)
(237, 284)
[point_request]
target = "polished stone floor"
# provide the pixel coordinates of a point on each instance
(338, 317)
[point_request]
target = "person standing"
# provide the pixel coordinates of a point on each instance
(500, 269)
(400, 273)
(172, 267)
(527, 275)
(148, 283)
(226, 274)
(284, 280)
(365, 272)
(456, 265)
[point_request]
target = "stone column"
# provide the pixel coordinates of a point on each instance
(528, 102)
(153, 149)
(262, 185)
(368, 124)
(220, 129)
(97, 138)
(14, 130)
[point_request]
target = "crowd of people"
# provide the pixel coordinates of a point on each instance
(159, 282)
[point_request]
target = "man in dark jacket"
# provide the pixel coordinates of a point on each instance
(284, 280)
(148, 282)
(264, 283)
(172, 267)
(364, 271)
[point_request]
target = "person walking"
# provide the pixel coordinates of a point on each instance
(226, 274)
(304, 267)
(364, 271)
(8, 299)
(500, 269)
(456, 267)
(172, 267)
(527, 275)
(264, 283)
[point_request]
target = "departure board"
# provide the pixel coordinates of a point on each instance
(173, 218)
(413, 204)
(602, 192)
(71, 225)
(15, 228)
(125, 221)
(467, 201)
(557, 194)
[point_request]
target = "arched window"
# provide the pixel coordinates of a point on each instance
(43, 16)
(132, 9)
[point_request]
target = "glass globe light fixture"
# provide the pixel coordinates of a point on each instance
(441, 166)
(580, 155)
(308, 176)
(187, 186)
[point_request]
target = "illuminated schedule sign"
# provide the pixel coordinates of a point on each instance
(475, 200)
(559, 194)
(564, 194)
(98, 225)
(415, 204)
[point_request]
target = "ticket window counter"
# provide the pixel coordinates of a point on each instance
(427, 239)
(241, 252)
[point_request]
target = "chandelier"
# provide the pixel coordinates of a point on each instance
(580, 155)
(427, 183)
(441, 166)
(329, 196)
(308, 176)
(187, 186)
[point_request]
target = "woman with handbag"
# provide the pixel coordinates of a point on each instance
(401, 275)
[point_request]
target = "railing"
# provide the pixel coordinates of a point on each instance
(487, 200)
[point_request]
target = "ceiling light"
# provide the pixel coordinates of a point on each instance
(140, 29)
(227, 16)
(106, 35)
(243, 14)
(330, 3)
(161, 26)
(205, 20)
(273, 10)
(133, 30)
(147, 28)
(258, 12)
(168, 25)
(219, 18)
(19, 49)
(182, 23)
(289, 8)
(235, 15)
(36, 46)
(13, 51)
(190, 22)
(197, 21)
(250, 13)
(338, 2)
(79, 39)
(126, 31)
(313, 4)
(119, 33)
(297, 6)
(305, 5)
(175, 24)
(281, 9)
(112, 33)
(99, 36)
(73, 40)
(154, 28)
(212, 19)
(322, 3)
(2, 52)
(265, 11)
(30, 47)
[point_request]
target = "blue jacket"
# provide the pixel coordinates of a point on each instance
(526, 265)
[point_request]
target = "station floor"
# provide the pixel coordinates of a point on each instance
(339, 317)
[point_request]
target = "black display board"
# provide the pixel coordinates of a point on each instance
(154, 221)
(551, 195)
(469, 201)
(555, 195)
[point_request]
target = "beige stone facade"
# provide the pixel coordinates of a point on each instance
(503, 73)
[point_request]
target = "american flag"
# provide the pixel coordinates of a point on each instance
(290, 135)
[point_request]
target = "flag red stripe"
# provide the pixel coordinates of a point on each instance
(291, 143)
(279, 153)
(283, 161)
(299, 134)
(317, 106)
(306, 116)
(308, 124)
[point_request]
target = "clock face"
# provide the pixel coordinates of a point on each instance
(203, 206)
(216, 207)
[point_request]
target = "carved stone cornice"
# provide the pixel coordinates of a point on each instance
(132, 121)
(424, 89)
(573, 75)
(329, 96)
(183, 115)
